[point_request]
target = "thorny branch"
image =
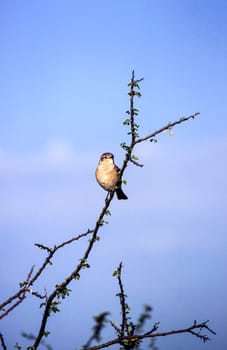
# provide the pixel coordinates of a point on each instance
(21, 295)
(170, 125)
(25, 286)
(75, 273)
(50, 305)
(134, 127)
(194, 329)
(124, 306)
(130, 335)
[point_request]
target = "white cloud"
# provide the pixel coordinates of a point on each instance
(46, 186)
(57, 184)
(57, 155)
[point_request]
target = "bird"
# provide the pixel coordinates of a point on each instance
(108, 175)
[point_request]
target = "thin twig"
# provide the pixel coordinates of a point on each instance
(21, 295)
(117, 330)
(3, 344)
(136, 163)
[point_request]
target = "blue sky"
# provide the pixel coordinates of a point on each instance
(64, 69)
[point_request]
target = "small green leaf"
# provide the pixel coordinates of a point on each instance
(137, 93)
(135, 111)
(100, 222)
(126, 122)
(76, 276)
(124, 146)
(134, 157)
(115, 273)
(46, 333)
(84, 264)
(170, 132)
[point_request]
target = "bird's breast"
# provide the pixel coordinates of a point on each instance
(107, 176)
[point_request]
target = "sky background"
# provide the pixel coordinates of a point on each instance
(64, 69)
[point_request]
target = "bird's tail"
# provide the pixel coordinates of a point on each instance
(120, 193)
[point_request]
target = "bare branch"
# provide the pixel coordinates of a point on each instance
(136, 163)
(117, 330)
(193, 329)
(29, 283)
(166, 127)
(124, 319)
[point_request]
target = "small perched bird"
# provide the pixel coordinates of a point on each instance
(108, 175)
